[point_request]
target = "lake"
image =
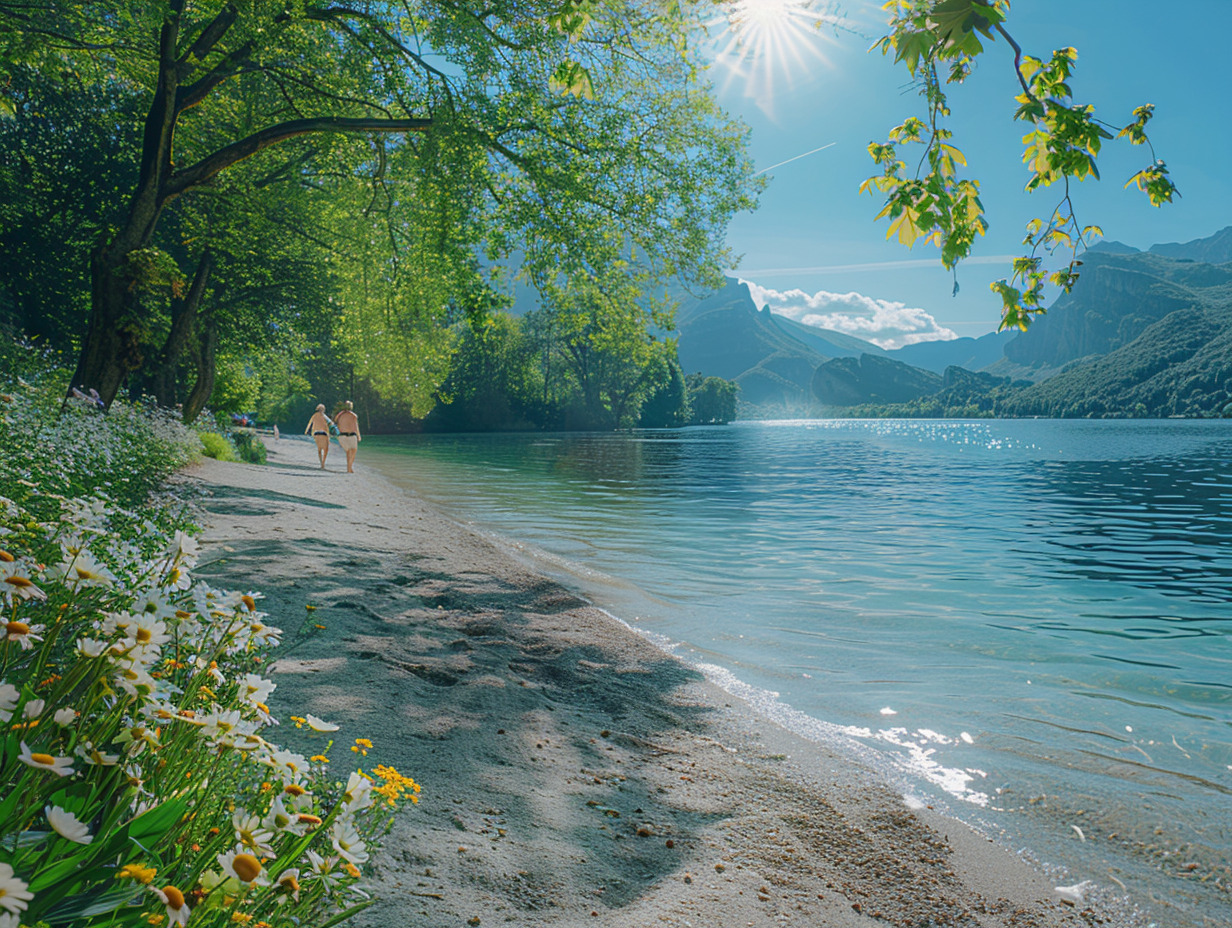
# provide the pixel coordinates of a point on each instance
(1025, 622)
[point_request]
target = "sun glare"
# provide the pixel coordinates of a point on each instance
(761, 43)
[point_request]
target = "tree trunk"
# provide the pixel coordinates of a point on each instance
(113, 344)
(204, 350)
(112, 347)
(183, 314)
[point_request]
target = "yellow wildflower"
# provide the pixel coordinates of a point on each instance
(136, 872)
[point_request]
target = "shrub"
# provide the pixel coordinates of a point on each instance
(218, 446)
(249, 447)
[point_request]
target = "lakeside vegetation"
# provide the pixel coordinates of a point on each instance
(262, 207)
(142, 784)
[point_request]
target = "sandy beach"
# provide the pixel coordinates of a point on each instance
(573, 773)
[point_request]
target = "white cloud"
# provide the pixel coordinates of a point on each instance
(885, 323)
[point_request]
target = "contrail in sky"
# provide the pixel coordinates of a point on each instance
(797, 158)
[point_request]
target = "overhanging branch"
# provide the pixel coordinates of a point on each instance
(212, 165)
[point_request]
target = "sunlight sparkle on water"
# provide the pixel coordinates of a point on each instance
(761, 41)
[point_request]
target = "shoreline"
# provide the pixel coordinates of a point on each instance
(573, 772)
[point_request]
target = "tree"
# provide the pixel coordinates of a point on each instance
(711, 399)
(492, 381)
(935, 203)
(603, 330)
(584, 127)
(667, 406)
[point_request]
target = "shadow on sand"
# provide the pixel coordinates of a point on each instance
(529, 736)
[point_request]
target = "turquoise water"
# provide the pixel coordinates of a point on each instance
(1028, 623)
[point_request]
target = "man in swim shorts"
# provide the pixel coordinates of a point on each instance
(348, 433)
(319, 425)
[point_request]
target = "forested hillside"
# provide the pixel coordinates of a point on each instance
(1140, 335)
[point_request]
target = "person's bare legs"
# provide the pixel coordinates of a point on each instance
(322, 448)
(350, 453)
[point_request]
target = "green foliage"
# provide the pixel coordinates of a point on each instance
(248, 446)
(374, 154)
(597, 331)
(237, 388)
(712, 400)
(667, 406)
(493, 381)
(935, 204)
(66, 156)
(218, 446)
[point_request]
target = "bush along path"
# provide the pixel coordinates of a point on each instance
(140, 782)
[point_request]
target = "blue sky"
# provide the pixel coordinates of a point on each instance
(816, 235)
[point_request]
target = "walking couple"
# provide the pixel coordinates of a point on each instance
(347, 425)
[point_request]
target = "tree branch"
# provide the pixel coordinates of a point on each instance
(1017, 59)
(211, 35)
(210, 166)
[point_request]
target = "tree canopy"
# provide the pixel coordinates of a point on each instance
(570, 136)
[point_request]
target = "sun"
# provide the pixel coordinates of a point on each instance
(760, 42)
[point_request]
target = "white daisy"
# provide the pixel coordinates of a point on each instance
(144, 632)
(14, 893)
(67, 825)
(252, 835)
(292, 766)
(347, 842)
(177, 578)
(64, 717)
(244, 867)
(317, 724)
(25, 635)
(323, 869)
(60, 766)
(184, 545)
(154, 603)
(8, 701)
(92, 755)
(21, 586)
(280, 818)
(91, 647)
(287, 885)
(358, 793)
(255, 689)
(135, 679)
(86, 570)
(173, 899)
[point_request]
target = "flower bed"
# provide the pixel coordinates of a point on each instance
(140, 784)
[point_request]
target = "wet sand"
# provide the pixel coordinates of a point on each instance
(573, 773)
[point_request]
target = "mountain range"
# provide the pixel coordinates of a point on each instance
(1142, 333)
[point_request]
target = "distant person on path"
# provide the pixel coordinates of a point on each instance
(348, 433)
(277, 434)
(319, 425)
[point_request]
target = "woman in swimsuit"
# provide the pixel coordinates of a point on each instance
(318, 425)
